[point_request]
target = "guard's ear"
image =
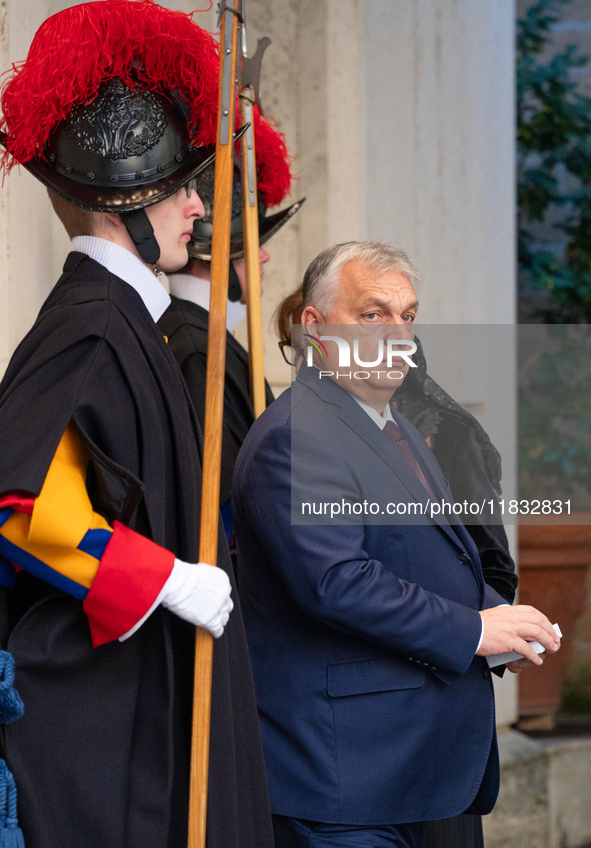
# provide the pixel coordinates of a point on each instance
(105, 224)
(114, 219)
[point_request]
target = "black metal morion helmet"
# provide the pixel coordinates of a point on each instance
(273, 185)
(121, 116)
(200, 244)
(123, 151)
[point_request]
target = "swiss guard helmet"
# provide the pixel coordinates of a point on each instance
(114, 108)
(273, 184)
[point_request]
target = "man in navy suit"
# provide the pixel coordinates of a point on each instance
(368, 637)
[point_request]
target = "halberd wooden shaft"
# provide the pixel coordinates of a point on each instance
(250, 229)
(214, 407)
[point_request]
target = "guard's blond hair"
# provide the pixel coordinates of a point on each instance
(76, 221)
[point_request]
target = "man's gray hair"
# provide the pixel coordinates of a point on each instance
(320, 285)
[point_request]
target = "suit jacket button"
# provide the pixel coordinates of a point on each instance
(464, 559)
(486, 672)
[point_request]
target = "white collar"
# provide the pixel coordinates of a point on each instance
(375, 416)
(188, 287)
(129, 268)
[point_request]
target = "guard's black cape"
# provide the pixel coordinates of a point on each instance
(185, 325)
(100, 756)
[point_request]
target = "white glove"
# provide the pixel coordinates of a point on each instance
(200, 594)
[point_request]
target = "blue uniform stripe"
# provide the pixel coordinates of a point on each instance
(40, 569)
(5, 514)
(95, 542)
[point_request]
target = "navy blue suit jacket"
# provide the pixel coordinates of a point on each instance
(373, 707)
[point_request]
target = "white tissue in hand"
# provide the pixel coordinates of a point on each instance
(502, 659)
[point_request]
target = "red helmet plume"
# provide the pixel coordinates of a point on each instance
(77, 50)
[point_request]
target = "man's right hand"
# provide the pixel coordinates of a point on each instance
(508, 629)
(200, 594)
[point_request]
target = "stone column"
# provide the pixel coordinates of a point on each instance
(33, 244)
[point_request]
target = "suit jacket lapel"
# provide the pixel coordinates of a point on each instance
(359, 421)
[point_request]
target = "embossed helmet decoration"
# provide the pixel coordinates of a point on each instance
(114, 109)
(273, 184)
(124, 150)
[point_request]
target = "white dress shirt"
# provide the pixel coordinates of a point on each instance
(129, 268)
(188, 287)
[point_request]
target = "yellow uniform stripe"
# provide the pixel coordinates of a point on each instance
(61, 516)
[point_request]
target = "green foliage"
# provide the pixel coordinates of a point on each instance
(554, 165)
(555, 413)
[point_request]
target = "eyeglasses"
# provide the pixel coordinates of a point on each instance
(291, 351)
(191, 186)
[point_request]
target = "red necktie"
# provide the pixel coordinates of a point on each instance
(393, 432)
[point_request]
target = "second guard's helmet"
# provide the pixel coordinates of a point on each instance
(273, 185)
(200, 244)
